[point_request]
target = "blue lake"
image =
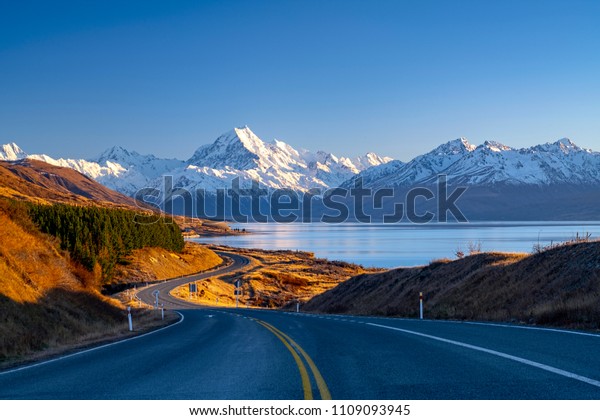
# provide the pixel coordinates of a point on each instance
(397, 245)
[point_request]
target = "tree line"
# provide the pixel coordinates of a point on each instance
(98, 236)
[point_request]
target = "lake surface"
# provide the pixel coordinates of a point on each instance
(394, 245)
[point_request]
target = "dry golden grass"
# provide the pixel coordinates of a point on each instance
(37, 181)
(151, 264)
(560, 286)
(48, 304)
(274, 279)
(212, 291)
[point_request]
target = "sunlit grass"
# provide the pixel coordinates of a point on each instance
(273, 279)
(559, 286)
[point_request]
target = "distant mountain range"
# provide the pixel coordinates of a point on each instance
(550, 181)
(492, 164)
(237, 153)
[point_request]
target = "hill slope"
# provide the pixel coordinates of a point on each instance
(49, 300)
(44, 300)
(37, 181)
(560, 286)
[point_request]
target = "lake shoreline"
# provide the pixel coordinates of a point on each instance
(402, 245)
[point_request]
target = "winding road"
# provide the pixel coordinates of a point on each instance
(215, 353)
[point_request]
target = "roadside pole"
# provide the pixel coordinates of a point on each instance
(297, 306)
(129, 318)
(420, 305)
(162, 311)
(156, 293)
(237, 293)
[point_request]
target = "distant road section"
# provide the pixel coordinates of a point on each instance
(216, 353)
(146, 294)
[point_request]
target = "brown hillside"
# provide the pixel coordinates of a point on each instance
(42, 300)
(560, 286)
(37, 181)
(150, 264)
(274, 279)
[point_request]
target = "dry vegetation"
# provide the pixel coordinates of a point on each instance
(274, 279)
(150, 264)
(43, 301)
(40, 182)
(50, 304)
(560, 286)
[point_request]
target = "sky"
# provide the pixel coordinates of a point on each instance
(393, 77)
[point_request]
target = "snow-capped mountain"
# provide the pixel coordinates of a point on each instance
(491, 163)
(116, 168)
(241, 154)
(552, 181)
(238, 153)
(11, 151)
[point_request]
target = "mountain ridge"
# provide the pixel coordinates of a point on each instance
(491, 163)
(238, 153)
(503, 182)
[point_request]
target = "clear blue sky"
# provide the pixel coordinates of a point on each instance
(394, 77)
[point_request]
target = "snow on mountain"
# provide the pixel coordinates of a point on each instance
(111, 174)
(11, 151)
(139, 170)
(492, 163)
(370, 159)
(241, 153)
(117, 168)
(418, 170)
(238, 153)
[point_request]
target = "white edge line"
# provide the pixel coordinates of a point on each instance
(499, 354)
(525, 327)
(479, 323)
(93, 348)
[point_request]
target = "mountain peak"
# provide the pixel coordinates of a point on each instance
(495, 146)
(115, 153)
(243, 135)
(238, 148)
(11, 151)
(566, 144)
(454, 147)
(563, 145)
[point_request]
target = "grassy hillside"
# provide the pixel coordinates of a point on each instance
(40, 182)
(560, 286)
(50, 299)
(274, 279)
(63, 237)
(150, 264)
(45, 301)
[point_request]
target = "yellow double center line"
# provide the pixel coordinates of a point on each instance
(294, 349)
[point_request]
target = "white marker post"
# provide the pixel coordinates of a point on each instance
(237, 292)
(162, 311)
(129, 318)
(297, 306)
(420, 305)
(156, 293)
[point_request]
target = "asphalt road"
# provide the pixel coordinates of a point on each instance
(236, 262)
(258, 354)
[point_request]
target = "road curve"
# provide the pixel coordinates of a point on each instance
(226, 353)
(164, 289)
